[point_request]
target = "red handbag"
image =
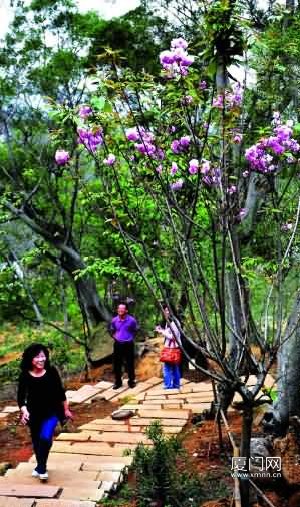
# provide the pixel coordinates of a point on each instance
(171, 356)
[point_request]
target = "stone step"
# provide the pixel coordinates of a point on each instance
(84, 393)
(63, 503)
(105, 427)
(90, 448)
(145, 421)
(81, 436)
(122, 438)
(103, 384)
(25, 490)
(18, 502)
(26, 468)
(110, 476)
(52, 481)
(56, 457)
(82, 493)
(164, 414)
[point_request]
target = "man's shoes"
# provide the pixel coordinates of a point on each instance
(43, 477)
(35, 473)
(131, 384)
(117, 385)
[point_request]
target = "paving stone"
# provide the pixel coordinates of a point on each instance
(16, 502)
(89, 493)
(24, 490)
(162, 391)
(57, 458)
(102, 467)
(103, 384)
(135, 391)
(165, 413)
(81, 436)
(64, 503)
(122, 438)
(109, 475)
(103, 422)
(141, 421)
(161, 399)
(172, 405)
(90, 428)
(9, 409)
(84, 393)
(94, 449)
(57, 476)
(111, 393)
(59, 483)
(108, 486)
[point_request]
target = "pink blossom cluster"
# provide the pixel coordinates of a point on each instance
(229, 99)
(110, 160)
(263, 157)
(176, 61)
(62, 157)
(146, 144)
(177, 185)
(180, 145)
(90, 139)
(211, 176)
(85, 112)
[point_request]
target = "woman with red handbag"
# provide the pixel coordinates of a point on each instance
(171, 353)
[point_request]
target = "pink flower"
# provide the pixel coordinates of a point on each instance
(193, 166)
(237, 138)
(85, 111)
(187, 100)
(179, 43)
(174, 168)
(110, 160)
(232, 189)
(177, 185)
(203, 85)
(132, 134)
(62, 157)
(159, 169)
(287, 227)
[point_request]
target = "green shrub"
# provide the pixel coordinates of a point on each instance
(158, 477)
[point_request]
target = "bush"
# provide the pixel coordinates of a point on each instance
(158, 477)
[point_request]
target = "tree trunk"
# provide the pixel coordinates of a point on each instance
(288, 380)
(88, 298)
(245, 450)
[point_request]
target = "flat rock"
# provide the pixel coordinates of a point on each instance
(24, 490)
(122, 414)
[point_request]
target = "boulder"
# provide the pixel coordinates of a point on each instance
(101, 345)
(121, 414)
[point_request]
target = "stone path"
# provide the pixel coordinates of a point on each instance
(85, 466)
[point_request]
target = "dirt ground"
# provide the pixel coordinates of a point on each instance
(201, 439)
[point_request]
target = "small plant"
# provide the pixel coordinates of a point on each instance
(162, 472)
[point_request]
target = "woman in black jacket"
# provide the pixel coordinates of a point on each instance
(42, 402)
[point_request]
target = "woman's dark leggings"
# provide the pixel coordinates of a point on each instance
(42, 434)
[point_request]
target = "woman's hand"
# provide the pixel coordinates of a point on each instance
(159, 329)
(24, 415)
(68, 414)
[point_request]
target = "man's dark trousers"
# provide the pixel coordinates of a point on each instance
(124, 352)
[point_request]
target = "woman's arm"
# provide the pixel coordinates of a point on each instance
(61, 395)
(21, 398)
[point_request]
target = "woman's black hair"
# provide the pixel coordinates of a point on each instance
(32, 351)
(171, 307)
